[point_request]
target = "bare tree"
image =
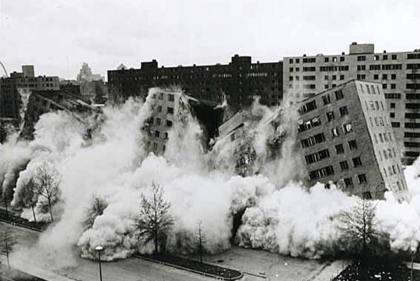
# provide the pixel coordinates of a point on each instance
(155, 220)
(29, 196)
(96, 208)
(47, 181)
(201, 240)
(359, 227)
(7, 242)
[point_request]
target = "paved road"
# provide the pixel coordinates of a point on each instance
(259, 266)
(125, 270)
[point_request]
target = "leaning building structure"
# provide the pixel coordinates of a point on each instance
(345, 137)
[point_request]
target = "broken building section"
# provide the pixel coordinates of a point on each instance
(41, 102)
(346, 138)
(170, 106)
(240, 138)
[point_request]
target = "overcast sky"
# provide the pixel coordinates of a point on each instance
(57, 36)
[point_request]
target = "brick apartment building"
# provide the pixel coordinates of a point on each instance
(397, 72)
(346, 137)
(20, 83)
(239, 81)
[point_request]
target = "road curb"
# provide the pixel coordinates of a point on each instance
(192, 270)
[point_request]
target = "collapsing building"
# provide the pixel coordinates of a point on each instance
(41, 102)
(345, 137)
(170, 106)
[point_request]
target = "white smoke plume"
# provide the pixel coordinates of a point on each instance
(280, 214)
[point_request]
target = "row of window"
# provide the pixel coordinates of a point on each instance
(329, 170)
(383, 137)
(359, 58)
(325, 153)
(387, 154)
(159, 134)
(378, 121)
(357, 162)
(374, 105)
(359, 67)
(392, 171)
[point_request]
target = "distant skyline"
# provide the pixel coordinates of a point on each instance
(57, 36)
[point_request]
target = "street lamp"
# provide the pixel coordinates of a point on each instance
(99, 249)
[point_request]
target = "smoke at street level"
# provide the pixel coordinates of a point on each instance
(279, 213)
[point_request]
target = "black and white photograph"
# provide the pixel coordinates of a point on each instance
(166, 140)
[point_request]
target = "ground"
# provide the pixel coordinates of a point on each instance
(257, 265)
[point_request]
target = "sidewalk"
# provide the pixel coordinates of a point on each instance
(330, 271)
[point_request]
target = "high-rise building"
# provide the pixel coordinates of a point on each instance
(397, 72)
(345, 137)
(238, 82)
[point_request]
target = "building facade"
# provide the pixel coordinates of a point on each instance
(345, 136)
(237, 82)
(21, 83)
(397, 72)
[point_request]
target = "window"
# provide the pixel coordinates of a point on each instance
(326, 99)
(339, 95)
(342, 59)
(395, 124)
(343, 111)
(384, 76)
(171, 97)
(339, 149)
(317, 156)
(347, 128)
(319, 138)
(161, 96)
(335, 132)
(168, 123)
(361, 58)
(326, 77)
(384, 86)
(341, 77)
(348, 182)
(352, 144)
(385, 57)
(158, 121)
(394, 57)
(375, 77)
(155, 146)
(344, 166)
(361, 67)
(362, 178)
(308, 107)
(290, 78)
(324, 172)
(170, 110)
(357, 162)
(326, 59)
(159, 108)
(157, 134)
(392, 115)
(393, 76)
(392, 105)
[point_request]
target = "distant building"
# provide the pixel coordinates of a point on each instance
(397, 72)
(346, 137)
(41, 102)
(238, 82)
(21, 83)
(90, 84)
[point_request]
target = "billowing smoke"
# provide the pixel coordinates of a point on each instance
(280, 214)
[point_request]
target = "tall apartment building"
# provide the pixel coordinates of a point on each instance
(20, 83)
(397, 72)
(239, 81)
(346, 137)
(172, 106)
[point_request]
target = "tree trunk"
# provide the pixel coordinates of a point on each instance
(33, 212)
(49, 205)
(7, 256)
(156, 242)
(7, 210)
